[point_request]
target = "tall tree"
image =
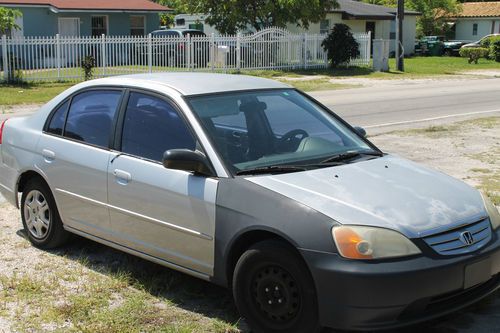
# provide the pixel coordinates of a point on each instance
(434, 15)
(229, 16)
(8, 20)
(177, 6)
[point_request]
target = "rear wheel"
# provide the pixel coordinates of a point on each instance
(274, 291)
(40, 217)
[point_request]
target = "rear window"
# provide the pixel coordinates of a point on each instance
(193, 33)
(165, 34)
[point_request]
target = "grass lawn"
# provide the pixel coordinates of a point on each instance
(31, 93)
(416, 67)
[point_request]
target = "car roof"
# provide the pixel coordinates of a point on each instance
(196, 83)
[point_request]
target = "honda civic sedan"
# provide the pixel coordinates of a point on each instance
(253, 185)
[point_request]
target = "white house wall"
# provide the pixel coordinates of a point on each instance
(464, 28)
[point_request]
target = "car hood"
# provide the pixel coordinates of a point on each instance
(388, 192)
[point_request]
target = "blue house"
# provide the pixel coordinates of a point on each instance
(85, 17)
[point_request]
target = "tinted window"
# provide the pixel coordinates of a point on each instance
(57, 122)
(90, 116)
(193, 33)
(165, 34)
(153, 126)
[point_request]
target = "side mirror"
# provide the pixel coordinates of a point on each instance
(187, 160)
(360, 130)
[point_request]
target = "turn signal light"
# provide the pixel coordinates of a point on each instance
(352, 245)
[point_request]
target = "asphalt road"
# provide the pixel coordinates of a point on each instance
(393, 105)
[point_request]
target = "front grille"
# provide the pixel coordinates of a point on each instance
(451, 242)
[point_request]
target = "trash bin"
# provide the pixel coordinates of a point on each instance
(381, 55)
(436, 48)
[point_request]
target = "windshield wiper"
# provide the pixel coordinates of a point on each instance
(271, 169)
(350, 154)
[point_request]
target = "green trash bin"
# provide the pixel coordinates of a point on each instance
(436, 48)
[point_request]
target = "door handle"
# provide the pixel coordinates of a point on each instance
(48, 155)
(123, 177)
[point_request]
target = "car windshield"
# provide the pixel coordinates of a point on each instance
(270, 128)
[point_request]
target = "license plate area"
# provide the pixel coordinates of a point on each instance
(477, 273)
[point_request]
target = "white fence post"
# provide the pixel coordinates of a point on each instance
(5, 56)
(58, 55)
(103, 54)
(304, 51)
(150, 54)
(369, 47)
(238, 52)
(189, 51)
(212, 53)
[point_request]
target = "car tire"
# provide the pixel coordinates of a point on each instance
(41, 220)
(447, 53)
(274, 291)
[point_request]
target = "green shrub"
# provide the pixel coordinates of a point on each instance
(88, 64)
(474, 53)
(495, 49)
(340, 45)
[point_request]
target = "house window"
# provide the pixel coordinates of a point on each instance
(99, 25)
(324, 26)
(137, 25)
(474, 29)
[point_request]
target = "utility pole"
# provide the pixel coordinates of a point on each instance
(400, 15)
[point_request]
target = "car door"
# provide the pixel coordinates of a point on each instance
(74, 154)
(167, 214)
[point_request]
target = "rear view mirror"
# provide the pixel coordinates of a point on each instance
(187, 160)
(360, 130)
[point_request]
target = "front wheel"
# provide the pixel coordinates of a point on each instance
(40, 217)
(274, 291)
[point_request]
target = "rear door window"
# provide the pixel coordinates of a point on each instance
(56, 124)
(90, 116)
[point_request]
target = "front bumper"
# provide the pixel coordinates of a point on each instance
(365, 295)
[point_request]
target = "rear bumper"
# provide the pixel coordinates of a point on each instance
(371, 296)
(8, 180)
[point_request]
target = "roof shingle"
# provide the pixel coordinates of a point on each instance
(139, 5)
(480, 9)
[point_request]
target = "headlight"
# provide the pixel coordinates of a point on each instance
(356, 242)
(492, 212)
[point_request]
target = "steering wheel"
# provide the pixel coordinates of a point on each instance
(290, 140)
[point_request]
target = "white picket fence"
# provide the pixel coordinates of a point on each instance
(59, 58)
